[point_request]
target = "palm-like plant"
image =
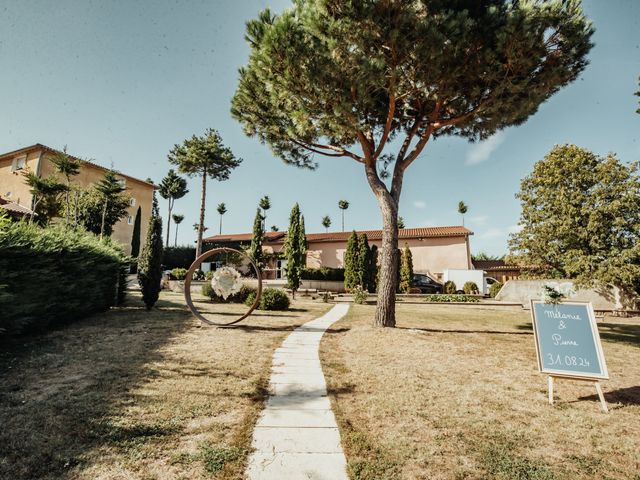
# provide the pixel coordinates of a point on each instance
(264, 204)
(68, 167)
(109, 187)
(177, 219)
(343, 205)
(462, 209)
(222, 209)
(172, 187)
(326, 222)
(401, 222)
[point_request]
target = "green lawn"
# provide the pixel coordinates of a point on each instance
(131, 394)
(454, 393)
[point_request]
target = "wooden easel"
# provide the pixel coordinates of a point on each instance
(596, 383)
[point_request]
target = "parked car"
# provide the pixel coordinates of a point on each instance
(426, 284)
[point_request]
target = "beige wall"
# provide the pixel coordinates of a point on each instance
(12, 184)
(39, 161)
(430, 255)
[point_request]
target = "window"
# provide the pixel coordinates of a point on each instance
(19, 163)
(130, 219)
(132, 202)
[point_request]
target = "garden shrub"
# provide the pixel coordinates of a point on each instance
(449, 287)
(239, 297)
(178, 273)
(494, 289)
(449, 298)
(271, 299)
(178, 257)
(54, 275)
(359, 295)
(470, 288)
(323, 274)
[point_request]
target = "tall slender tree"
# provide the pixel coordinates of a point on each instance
(295, 249)
(172, 188)
(255, 251)
(222, 209)
(110, 187)
(135, 237)
(351, 262)
(177, 219)
(265, 204)
(68, 167)
(150, 260)
(326, 222)
(360, 74)
(462, 209)
(205, 157)
(401, 222)
(343, 205)
(406, 270)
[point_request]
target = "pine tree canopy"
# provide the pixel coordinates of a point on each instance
(327, 75)
(173, 186)
(207, 153)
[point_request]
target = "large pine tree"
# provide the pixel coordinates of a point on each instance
(344, 79)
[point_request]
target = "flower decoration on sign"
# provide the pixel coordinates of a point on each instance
(226, 281)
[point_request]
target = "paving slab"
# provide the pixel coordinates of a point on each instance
(296, 435)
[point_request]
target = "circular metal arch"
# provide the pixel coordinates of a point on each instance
(194, 266)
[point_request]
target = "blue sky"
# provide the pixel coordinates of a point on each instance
(121, 82)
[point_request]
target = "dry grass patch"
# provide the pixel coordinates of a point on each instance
(131, 394)
(454, 393)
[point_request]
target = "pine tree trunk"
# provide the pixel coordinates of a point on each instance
(343, 220)
(175, 244)
(385, 315)
(169, 221)
(220, 224)
(104, 216)
(203, 199)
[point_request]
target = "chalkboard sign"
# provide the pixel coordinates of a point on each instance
(567, 340)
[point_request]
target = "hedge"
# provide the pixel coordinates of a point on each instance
(323, 273)
(178, 257)
(451, 298)
(54, 275)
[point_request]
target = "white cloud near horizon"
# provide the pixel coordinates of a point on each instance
(419, 204)
(481, 151)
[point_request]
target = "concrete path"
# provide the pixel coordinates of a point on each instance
(296, 436)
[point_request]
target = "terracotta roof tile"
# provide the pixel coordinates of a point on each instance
(403, 233)
(494, 265)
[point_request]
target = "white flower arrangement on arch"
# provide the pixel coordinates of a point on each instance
(226, 282)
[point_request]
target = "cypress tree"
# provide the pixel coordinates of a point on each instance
(363, 261)
(255, 251)
(372, 270)
(135, 238)
(350, 262)
(150, 260)
(406, 270)
(295, 249)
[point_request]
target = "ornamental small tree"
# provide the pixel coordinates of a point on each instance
(406, 270)
(150, 260)
(135, 239)
(351, 278)
(372, 275)
(255, 250)
(364, 254)
(345, 79)
(172, 188)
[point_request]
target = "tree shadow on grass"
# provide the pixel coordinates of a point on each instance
(620, 332)
(624, 396)
(442, 330)
(59, 389)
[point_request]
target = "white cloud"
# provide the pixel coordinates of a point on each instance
(480, 152)
(493, 233)
(419, 204)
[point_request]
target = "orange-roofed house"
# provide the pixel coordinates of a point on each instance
(434, 249)
(17, 199)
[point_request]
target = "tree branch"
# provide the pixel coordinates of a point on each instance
(341, 152)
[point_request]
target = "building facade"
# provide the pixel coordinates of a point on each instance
(37, 159)
(434, 249)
